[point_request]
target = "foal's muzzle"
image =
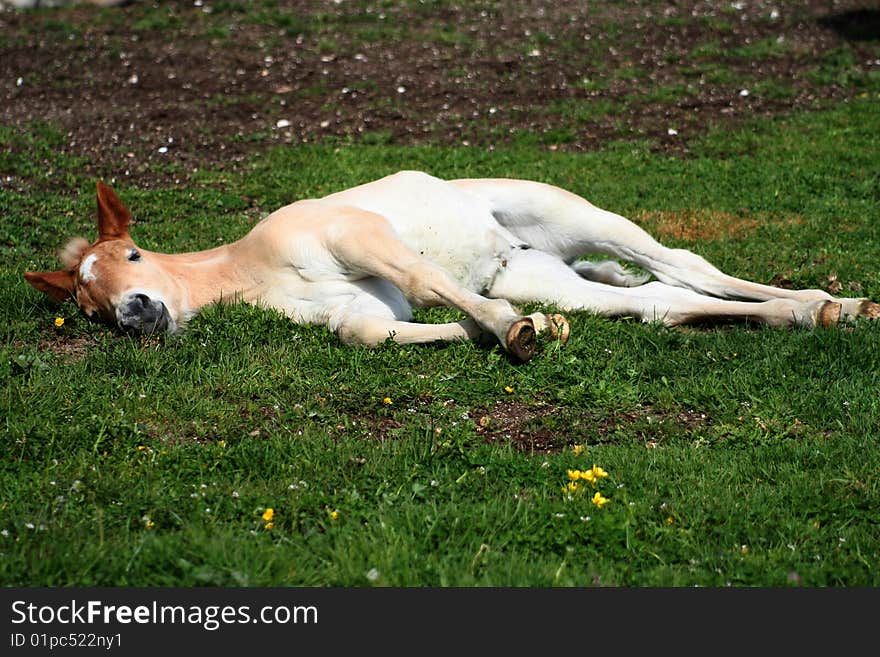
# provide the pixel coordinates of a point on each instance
(141, 314)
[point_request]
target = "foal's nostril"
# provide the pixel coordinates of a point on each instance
(142, 298)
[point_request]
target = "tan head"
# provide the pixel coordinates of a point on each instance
(113, 280)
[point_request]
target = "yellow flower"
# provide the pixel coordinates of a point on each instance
(669, 520)
(149, 524)
(268, 514)
(59, 322)
(574, 475)
(269, 525)
(334, 515)
(577, 449)
(508, 390)
(598, 500)
(387, 401)
(598, 472)
(572, 487)
(587, 475)
(142, 448)
(221, 443)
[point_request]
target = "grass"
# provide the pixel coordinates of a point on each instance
(737, 455)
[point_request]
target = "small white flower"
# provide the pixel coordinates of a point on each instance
(401, 89)
(282, 123)
(5, 532)
(235, 494)
(325, 124)
(558, 515)
(29, 525)
(672, 132)
(373, 574)
(163, 149)
(743, 92)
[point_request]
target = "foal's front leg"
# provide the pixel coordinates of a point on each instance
(364, 242)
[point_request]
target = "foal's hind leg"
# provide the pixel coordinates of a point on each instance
(683, 268)
(566, 225)
(535, 276)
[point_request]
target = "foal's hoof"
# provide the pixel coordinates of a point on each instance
(558, 328)
(555, 326)
(829, 314)
(869, 309)
(521, 339)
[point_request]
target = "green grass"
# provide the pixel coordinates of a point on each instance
(736, 454)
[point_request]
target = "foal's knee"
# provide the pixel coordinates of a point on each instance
(362, 330)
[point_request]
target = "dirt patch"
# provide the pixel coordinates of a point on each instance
(521, 425)
(69, 348)
(371, 426)
(548, 428)
(154, 92)
(698, 225)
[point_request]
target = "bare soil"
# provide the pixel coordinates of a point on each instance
(155, 92)
(548, 428)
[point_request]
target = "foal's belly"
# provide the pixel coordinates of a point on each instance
(447, 225)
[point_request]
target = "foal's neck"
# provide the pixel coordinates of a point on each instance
(210, 275)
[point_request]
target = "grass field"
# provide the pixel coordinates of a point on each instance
(735, 454)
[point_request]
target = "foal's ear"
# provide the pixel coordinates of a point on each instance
(113, 216)
(57, 284)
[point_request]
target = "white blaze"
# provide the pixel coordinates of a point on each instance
(85, 268)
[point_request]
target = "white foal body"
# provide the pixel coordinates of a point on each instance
(357, 260)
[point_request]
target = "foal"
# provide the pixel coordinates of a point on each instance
(356, 260)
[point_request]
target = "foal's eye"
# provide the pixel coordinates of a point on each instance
(134, 255)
